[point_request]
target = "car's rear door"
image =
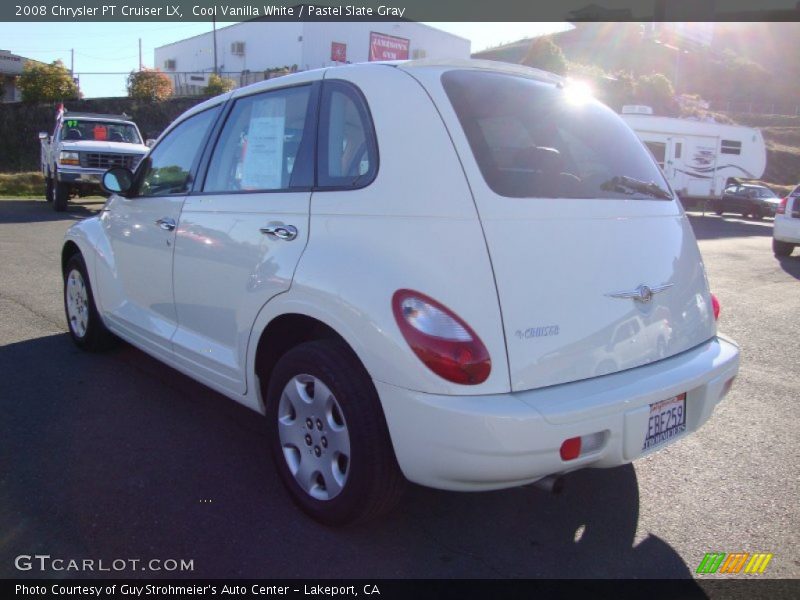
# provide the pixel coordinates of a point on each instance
(244, 227)
(135, 279)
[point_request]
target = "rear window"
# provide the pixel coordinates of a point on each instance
(534, 139)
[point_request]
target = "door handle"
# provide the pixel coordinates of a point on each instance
(166, 224)
(282, 232)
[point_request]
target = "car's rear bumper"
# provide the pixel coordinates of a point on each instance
(787, 229)
(489, 442)
(768, 209)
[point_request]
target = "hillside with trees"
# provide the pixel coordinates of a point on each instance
(748, 74)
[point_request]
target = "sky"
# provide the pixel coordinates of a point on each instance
(113, 48)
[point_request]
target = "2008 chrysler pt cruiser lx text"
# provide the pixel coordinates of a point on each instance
(467, 275)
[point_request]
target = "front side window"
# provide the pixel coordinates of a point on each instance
(260, 143)
(348, 153)
(168, 167)
(536, 139)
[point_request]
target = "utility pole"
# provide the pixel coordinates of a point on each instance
(214, 25)
(72, 62)
(140, 54)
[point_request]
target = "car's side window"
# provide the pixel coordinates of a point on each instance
(168, 167)
(260, 143)
(348, 151)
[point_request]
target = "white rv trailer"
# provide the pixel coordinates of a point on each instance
(699, 157)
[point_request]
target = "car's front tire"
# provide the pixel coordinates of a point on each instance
(86, 328)
(328, 435)
(781, 249)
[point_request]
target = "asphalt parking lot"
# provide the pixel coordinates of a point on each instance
(117, 456)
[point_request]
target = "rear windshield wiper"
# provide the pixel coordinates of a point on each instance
(623, 182)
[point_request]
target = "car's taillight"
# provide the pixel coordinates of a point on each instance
(781, 210)
(715, 306)
(443, 341)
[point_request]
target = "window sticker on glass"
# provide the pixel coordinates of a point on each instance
(262, 167)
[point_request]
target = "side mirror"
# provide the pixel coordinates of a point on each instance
(117, 180)
(150, 142)
(43, 135)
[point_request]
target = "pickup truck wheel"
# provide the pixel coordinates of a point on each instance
(85, 326)
(780, 249)
(328, 435)
(48, 189)
(61, 196)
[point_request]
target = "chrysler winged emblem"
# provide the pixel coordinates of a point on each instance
(643, 293)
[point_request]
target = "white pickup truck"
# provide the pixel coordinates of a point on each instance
(83, 146)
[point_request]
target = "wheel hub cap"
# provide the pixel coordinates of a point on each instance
(314, 437)
(77, 303)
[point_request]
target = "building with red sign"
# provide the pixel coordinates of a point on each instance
(254, 50)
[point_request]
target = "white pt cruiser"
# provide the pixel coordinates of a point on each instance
(467, 275)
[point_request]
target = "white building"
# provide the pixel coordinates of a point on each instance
(247, 50)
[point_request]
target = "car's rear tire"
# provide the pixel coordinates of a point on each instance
(781, 249)
(328, 435)
(85, 326)
(61, 196)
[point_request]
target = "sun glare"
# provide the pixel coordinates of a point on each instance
(577, 92)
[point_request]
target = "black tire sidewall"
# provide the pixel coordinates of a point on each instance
(60, 196)
(781, 249)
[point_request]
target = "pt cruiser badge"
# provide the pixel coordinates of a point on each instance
(643, 293)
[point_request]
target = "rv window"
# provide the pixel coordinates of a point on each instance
(678, 148)
(731, 147)
(659, 151)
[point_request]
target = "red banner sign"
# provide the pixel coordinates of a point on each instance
(338, 52)
(387, 47)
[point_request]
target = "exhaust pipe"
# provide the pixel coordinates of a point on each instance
(553, 484)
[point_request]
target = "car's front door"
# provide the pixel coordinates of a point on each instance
(243, 228)
(136, 279)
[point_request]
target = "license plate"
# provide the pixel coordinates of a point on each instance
(667, 421)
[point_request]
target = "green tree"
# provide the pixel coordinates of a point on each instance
(218, 85)
(544, 54)
(656, 90)
(149, 84)
(40, 82)
(618, 89)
